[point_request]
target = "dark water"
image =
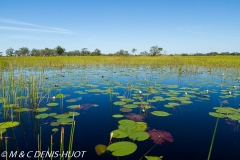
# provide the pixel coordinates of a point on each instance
(191, 125)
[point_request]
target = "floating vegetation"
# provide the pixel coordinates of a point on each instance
(41, 116)
(123, 148)
(5, 125)
(134, 117)
(117, 116)
(139, 136)
(52, 104)
(160, 136)
(41, 109)
(119, 134)
(55, 124)
(160, 113)
(153, 157)
(55, 129)
(128, 97)
(100, 149)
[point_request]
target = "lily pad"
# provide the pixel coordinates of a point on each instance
(55, 129)
(52, 104)
(100, 149)
(139, 136)
(119, 134)
(130, 106)
(153, 157)
(65, 120)
(117, 116)
(74, 107)
(21, 110)
(60, 96)
(160, 113)
(73, 113)
(41, 109)
(42, 116)
(126, 122)
(119, 103)
(5, 125)
(123, 148)
(55, 124)
(61, 116)
(214, 114)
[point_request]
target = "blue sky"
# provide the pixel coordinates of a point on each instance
(178, 26)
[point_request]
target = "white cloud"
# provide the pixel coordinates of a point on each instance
(34, 27)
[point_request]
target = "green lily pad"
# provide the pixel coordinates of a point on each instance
(119, 134)
(21, 110)
(214, 114)
(5, 125)
(52, 114)
(55, 129)
(127, 122)
(123, 148)
(153, 157)
(73, 113)
(160, 113)
(65, 120)
(139, 136)
(130, 106)
(117, 116)
(9, 105)
(41, 116)
(73, 107)
(41, 109)
(119, 103)
(55, 124)
(52, 104)
(60, 96)
(58, 116)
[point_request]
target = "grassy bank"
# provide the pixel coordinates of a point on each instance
(207, 61)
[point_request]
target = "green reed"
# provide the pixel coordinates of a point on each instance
(71, 138)
(213, 137)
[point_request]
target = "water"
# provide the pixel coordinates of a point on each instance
(190, 125)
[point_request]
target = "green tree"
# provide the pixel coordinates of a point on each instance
(35, 52)
(24, 51)
(10, 52)
(155, 50)
(84, 52)
(134, 50)
(121, 52)
(59, 50)
(145, 53)
(96, 52)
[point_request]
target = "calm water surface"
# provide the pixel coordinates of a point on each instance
(97, 88)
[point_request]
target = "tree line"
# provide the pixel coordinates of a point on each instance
(60, 51)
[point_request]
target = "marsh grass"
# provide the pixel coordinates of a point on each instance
(206, 61)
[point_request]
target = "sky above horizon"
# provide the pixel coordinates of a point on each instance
(177, 26)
